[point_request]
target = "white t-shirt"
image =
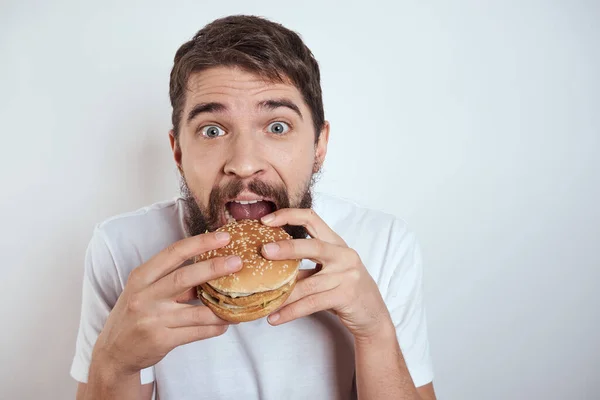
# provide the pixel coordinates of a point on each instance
(312, 357)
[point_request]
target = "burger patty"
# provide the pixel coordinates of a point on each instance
(236, 309)
(256, 299)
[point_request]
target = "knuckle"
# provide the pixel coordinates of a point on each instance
(135, 303)
(199, 315)
(353, 256)
(289, 313)
(319, 246)
(143, 328)
(310, 286)
(214, 266)
(215, 330)
(311, 303)
(199, 333)
(171, 249)
(290, 247)
(180, 279)
(287, 245)
(354, 275)
(174, 251)
(135, 278)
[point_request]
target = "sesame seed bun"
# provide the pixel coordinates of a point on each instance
(260, 286)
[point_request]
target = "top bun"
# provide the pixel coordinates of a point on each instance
(258, 274)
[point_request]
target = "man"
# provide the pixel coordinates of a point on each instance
(248, 137)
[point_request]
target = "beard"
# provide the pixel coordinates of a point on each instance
(199, 219)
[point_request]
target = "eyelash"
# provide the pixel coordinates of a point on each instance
(289, 124)
(201, 127)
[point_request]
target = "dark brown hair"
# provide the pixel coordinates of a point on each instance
(256, 45)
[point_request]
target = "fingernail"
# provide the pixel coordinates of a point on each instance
(233, 262)
(271, 248)
(267, 218)
(222, 236)
(273, 317)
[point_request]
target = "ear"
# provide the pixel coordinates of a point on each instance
(176, 150)
(321, 147)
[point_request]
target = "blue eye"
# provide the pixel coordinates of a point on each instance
(278, 128)
(212, 131)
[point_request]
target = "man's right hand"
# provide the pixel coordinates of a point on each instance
(150, 317)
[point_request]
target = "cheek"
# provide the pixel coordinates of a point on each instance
(290, 155)
(293, 162)
(201, 168)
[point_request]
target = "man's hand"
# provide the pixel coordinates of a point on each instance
(150, 317)
(341, 283)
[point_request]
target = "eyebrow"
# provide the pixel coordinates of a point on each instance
(214, 107)
(203, 108)
(277, 103)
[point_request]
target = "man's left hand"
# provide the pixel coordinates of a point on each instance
(341, 283)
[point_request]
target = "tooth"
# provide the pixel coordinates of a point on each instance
(228, 216)
(246, 201)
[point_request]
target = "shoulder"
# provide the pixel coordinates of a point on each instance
(130, 239)
(159, 214)
(383, 240)
(356, 221)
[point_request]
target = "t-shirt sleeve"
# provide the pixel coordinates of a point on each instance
(404, 298)
(102, 286)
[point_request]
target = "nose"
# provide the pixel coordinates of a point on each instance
(245, 159)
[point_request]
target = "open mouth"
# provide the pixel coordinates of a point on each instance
(247, 209)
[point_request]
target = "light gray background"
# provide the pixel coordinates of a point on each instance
(477, 122)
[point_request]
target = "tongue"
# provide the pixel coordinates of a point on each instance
(249, 211)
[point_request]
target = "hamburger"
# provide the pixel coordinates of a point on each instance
(260, 286)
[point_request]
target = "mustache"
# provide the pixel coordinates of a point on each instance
(219, 195)
(278, 195)
(200, 219)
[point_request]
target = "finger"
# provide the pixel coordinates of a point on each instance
(187, 277)
(187, 296)
(189, 334)
(192, 316)
(305, 273)
(315, 250)
(176, 254)
(306, 217)
(313, 285)
(303, 307)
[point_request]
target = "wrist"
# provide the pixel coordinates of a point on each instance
(383, 333)
(107, 380)
(108, 369)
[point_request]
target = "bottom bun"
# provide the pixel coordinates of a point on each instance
(245, 314)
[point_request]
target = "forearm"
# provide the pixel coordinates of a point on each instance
(381, 372)
(104, 382)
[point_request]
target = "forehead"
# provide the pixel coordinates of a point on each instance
(237, 88)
